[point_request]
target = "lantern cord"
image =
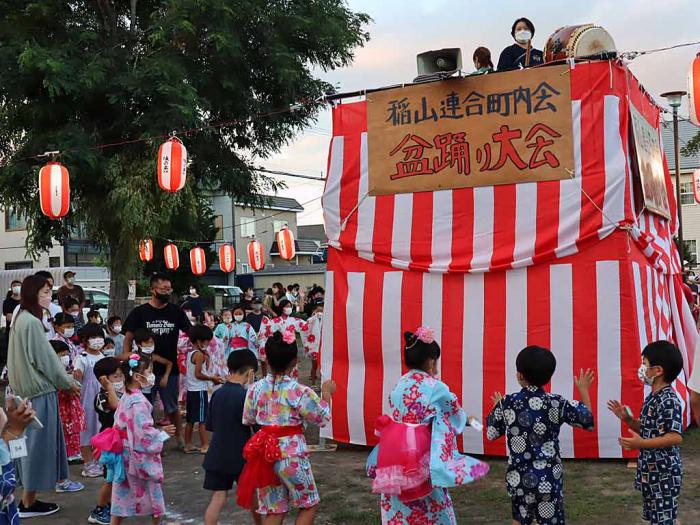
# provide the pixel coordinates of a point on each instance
(221, 241)
(631, 55)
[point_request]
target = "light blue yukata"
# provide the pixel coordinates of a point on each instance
(420, 399)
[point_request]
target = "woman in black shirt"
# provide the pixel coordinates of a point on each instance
(514, 57)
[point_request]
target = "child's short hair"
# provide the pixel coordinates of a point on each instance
(416, 352)
(70, 302)
(142, 364)
(109, 341)
(284, 303)
(241, 361)
(113, 320)
(62, 318)
(536, 364)
(667, 356)
(91, 330)
(59, 346)
(106, 367)
(200, 332)
(143, 334)
(280, 354)
(93, 314)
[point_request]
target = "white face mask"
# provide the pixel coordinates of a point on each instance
(642, 374)
(44, 301)
(227, 319)
(148, 349)
(70, 280)
(238, 318)
(117, 328)
(16, 290)
(118, 386)
(96, 343)
(523, 36)
(74, 315)
(65, 360)
(150, 380)
(108, 352)
(193, 291)
(69, 332)
(287, 311)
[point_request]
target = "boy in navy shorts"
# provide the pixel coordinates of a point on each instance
(224, 459)
(530, 420)
(657, 434)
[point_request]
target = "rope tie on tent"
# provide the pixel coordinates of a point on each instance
(344, 223)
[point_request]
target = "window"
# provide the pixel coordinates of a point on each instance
(687, 196)
(219, 225)
(278, 225)
(20, 265)
(247, 226)
(245, 268)
(691, 251)
(54, 262)
(15, 222)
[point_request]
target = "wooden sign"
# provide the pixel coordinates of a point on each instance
(650, 164)
(500, 128)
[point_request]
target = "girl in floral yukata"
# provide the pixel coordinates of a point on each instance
(141, 493)
(313, 340)
(281, 324)
(417, 459)
(277, 462)
(238, 334)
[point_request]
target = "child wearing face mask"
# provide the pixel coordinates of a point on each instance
(114, 332)
(241, 334)
(198, 387)
(531, 420)
(93, 341)
(141, 492)
(657, 434)
(224, 459)
(281, 324)
(64, 326)
(146, 345)
(109, 373)
(72, 307)
(109, 350)
(70, 409)
(417, 461)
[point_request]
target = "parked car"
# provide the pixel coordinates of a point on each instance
(225, 296)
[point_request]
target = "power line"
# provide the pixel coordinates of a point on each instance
(289, 174)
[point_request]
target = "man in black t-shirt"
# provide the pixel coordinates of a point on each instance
(165, 321)
(514, 57)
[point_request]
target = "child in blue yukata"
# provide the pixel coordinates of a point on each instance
(530, 420)
(657, 434)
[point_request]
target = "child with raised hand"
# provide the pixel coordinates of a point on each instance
(198, 383)
(94, 341)
(657, 434)
(417, 459)
(141, 492)
(224, 460)
(71, 412)
(281, 406)
(109, 373)
(531, 420)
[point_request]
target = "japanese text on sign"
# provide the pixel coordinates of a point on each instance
(475, 131)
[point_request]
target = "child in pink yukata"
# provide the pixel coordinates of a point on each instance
(141, 492)
(281, 406)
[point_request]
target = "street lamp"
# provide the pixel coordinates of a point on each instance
(674, 100)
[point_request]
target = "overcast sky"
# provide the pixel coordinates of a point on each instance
(402, 28)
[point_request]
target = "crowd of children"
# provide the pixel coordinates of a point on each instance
(257, 427)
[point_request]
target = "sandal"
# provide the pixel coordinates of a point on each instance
(203, 450)
(190, 450)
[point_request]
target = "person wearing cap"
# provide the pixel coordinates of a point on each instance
(516, 55)
(70, 289)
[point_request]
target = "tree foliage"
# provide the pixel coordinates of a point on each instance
(692, 147)
(82, 73)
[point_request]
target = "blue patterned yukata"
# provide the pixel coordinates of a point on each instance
(530, 420)
(419, 398)
(660, 470)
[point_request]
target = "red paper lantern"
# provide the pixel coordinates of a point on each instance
(285, 244)
(172, 165)
(227, 258)
(146, 250)
(54, 190)
(172, 257)
(198, 261)
(694, 91)
(696, 185)
(256, 255)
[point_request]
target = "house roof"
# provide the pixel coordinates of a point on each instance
(302, 246)
(277, 203)
(297, 270)
(686, 131)
(317, 232)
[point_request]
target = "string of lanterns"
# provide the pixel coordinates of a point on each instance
(227, 255)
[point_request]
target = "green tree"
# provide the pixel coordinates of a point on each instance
(692, 147)
(82, 73)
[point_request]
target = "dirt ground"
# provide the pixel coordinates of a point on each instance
(596, 492)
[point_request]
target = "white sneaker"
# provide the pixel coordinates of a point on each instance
(92, 470)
